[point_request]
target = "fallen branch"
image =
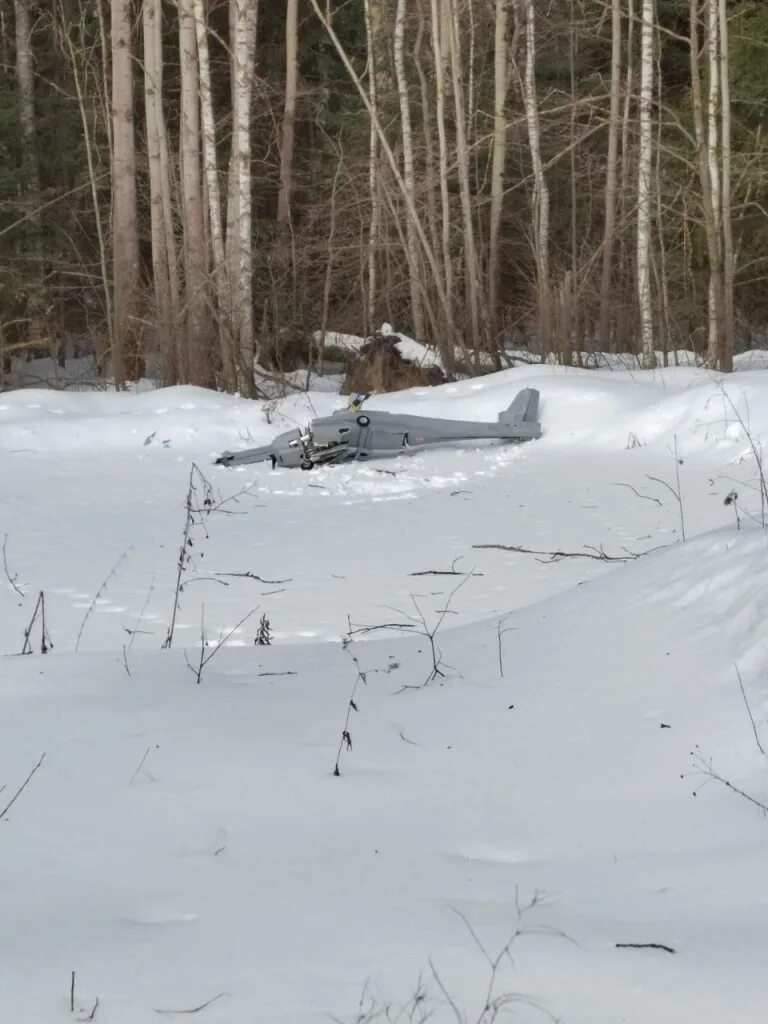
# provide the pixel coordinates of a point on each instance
(635, 491)
(645, 945)
(383, 625)
(253, 576)
(453, 571)
(556, 556)
(194, 1009)
(21, 788)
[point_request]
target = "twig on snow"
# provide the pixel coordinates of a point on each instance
(253, 576)
(198, 505)
(635, 491)
(21, 788)
(99, 592)
(499, 634)
(430, 633)
(453, 571)
(92, 1014)
(205, 658)
(705, 768)
(45, 640)
(346, 739)
(193, 1009)
(645, 945)
(760, 746)
(556, 556)
(140, 766)
(6, 570)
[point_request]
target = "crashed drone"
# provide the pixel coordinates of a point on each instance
(351, 434)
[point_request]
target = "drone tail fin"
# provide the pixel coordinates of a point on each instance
(520, 421)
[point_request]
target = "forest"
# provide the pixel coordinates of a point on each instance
(192, 189)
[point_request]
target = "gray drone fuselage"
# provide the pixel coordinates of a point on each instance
(349, 435)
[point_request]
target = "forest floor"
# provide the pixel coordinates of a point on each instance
(573, 786)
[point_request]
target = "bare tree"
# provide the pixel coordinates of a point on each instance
(729, 261)
(412, 242)
(438, 35)
(125, 233)
(644, 186)
(289, 112)
(711, 216)
(216, 229)
(609, 229)
(30, 168)
(471, 261)
(540, 187)
(197, 368)
(500, 85)
(164, 273)
(243, 19)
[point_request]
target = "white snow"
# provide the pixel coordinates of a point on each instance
(185, 843)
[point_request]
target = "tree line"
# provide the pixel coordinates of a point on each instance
(209, 185)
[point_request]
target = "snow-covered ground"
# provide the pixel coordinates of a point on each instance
(185, 845)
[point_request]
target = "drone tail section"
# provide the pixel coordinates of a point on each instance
(520, 422)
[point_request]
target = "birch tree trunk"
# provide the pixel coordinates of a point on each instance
(729, 262)
(609, 230)
(500, 59)
(30, 171)
(125, 235)
(198, 357)
(239, 243)
(412, 249)
(216, 230)
(540, 188)
(711, 217)
(644, 187)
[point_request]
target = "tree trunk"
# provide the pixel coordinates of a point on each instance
(210, 163)
(198, 355)
(153, 67)
(609, 230)
(30, 173)
(445, 204)
(371, 309)
(500, 57)
(707, 201)
(243, 57)
(289, 112)
(729, 262)
(412, 242)
(713, 157)
(644, 188)
(125, 235)
(540, 188)
(471, 264)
